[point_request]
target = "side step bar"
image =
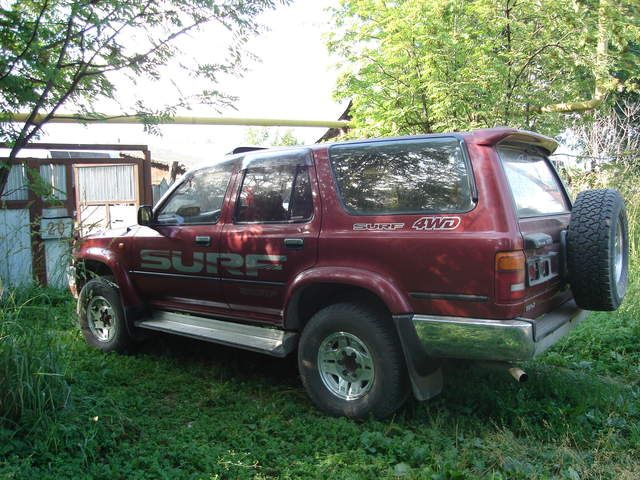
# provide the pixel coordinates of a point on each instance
(271, 341)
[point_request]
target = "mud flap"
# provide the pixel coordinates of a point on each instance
(132, 314)
(424, 371)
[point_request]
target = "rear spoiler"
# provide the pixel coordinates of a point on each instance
(495, 136)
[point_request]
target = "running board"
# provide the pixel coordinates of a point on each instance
(249, 337)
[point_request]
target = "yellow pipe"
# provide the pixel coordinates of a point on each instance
(132, 119)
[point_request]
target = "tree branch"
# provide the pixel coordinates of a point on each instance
(33, 36)
(135, 59)
(24, 136)
(533, 57)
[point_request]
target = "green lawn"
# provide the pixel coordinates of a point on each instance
(183, 409)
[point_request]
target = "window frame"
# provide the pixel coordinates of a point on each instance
(161, 204)
(473, 191)
(530, 149)
(267, 164)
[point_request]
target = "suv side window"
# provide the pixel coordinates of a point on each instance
(403, 177)
(198, 199)
(275, 194)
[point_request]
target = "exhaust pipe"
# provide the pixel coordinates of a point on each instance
(519, 374)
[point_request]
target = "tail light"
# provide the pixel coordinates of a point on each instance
(510, 276)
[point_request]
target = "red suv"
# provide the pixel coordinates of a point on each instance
(374, 259)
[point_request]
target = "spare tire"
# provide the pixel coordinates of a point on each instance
(598, 250)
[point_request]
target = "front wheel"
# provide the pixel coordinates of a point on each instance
(101, 316)
(351, 363)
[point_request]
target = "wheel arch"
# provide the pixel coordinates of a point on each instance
(316, 288)
(98, 261)
(89, 268)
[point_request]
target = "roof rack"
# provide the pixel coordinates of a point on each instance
(246, 149)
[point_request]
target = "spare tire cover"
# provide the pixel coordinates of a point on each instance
(598, 250)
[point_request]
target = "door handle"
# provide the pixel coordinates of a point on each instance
(294, 242)
(203, 240)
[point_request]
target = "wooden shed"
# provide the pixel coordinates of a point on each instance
(87, 187)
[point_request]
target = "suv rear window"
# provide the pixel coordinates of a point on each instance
(392, 177)
(534, 185)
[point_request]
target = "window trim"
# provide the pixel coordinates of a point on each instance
(243, 174)
(473, 191)
(177, 185)
(525, 148)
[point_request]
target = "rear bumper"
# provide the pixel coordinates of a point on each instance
(495, 340)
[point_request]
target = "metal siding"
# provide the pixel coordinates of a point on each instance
(55, 175)
(54, 212)
(15, 247)
(106, 183)
(75, 154)
(159, 190)
(57, 258)
(16, 186)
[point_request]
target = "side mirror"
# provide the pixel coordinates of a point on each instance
(145, 215)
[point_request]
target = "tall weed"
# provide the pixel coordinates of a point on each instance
(32, 383)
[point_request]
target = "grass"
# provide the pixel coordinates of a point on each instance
(182, 409)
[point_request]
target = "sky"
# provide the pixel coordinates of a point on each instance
(294, 79)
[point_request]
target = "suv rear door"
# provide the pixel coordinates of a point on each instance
(271, 232)
(543, 210)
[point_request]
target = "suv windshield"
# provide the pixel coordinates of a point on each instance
(392, 177)
(535, 187)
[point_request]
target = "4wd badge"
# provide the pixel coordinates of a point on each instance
(436, 223)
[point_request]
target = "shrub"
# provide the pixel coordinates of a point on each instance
(624, 177)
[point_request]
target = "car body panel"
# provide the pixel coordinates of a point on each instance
(444, 269)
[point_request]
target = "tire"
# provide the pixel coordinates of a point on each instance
(363, 345)
(598, 250)
(101, 297)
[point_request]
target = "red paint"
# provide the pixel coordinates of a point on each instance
(389, 262)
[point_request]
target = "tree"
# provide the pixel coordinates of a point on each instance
(610, 136)
(417, 66)
(60, 52)
(608, 147)
(268, 137)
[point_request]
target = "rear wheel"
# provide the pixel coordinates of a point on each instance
(598, 250)
(101, 316)
(351, 363)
